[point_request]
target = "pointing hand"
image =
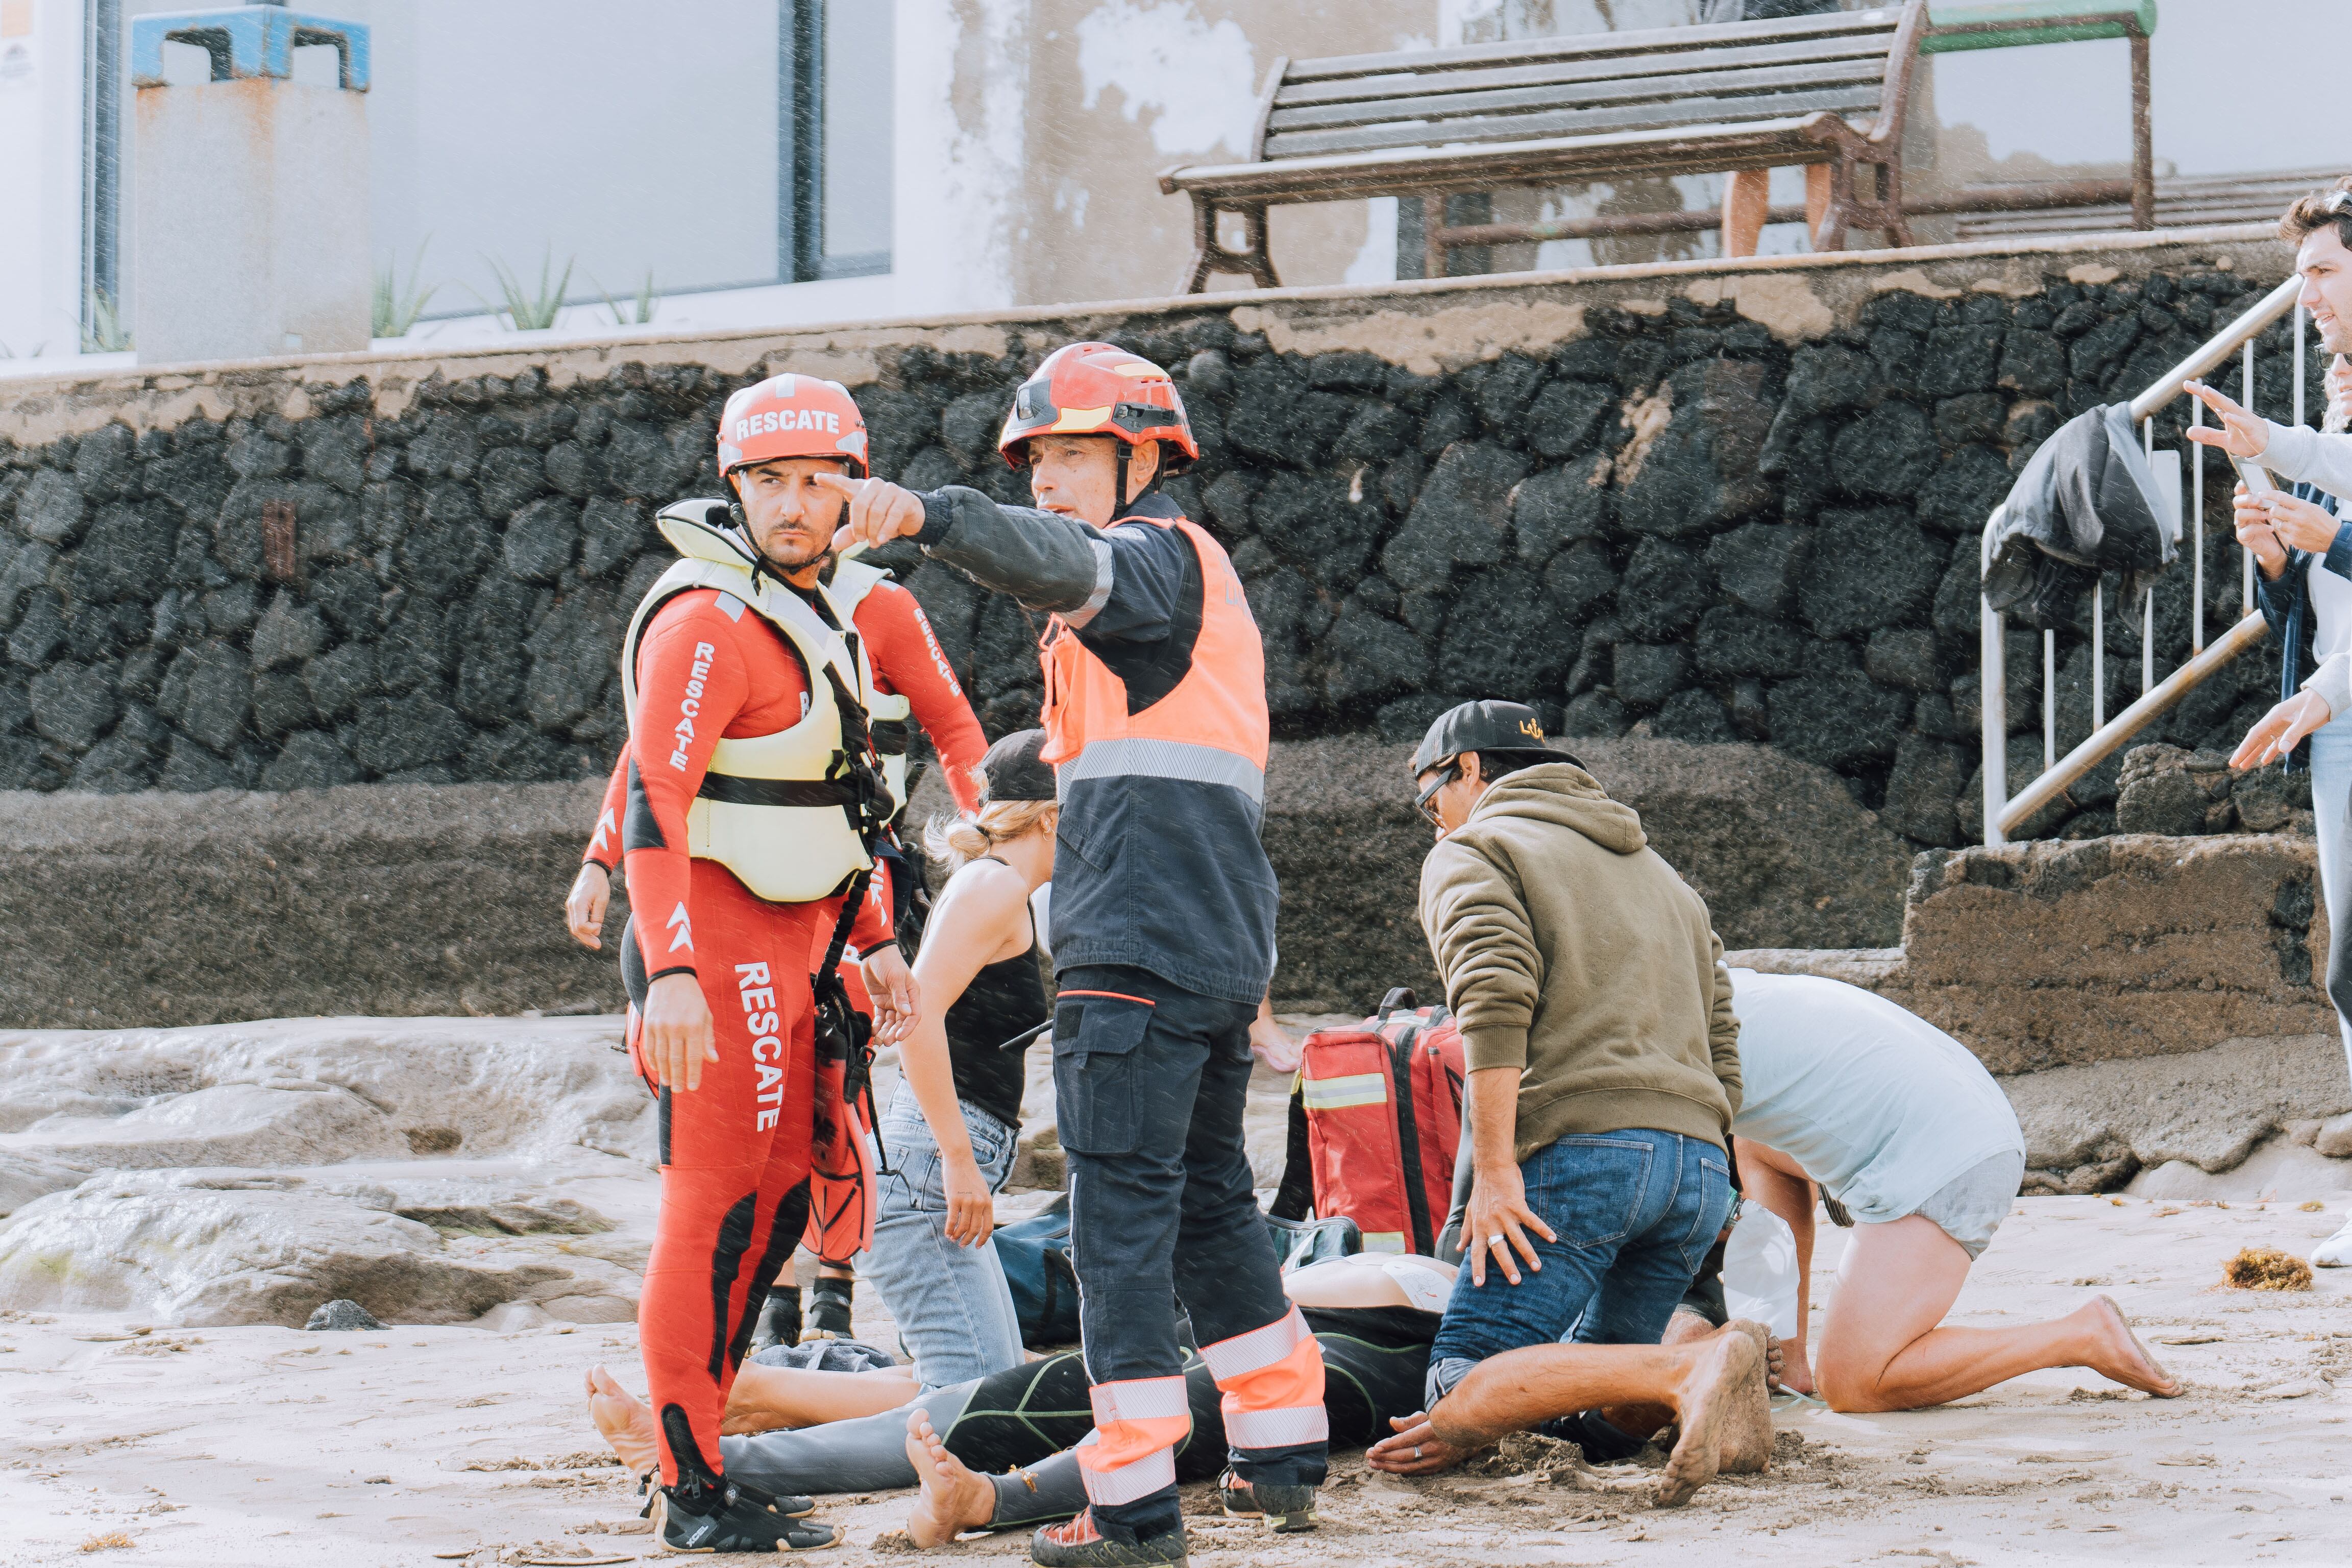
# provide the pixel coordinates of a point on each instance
(879, 512)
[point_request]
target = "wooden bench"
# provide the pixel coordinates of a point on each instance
(1826, 92)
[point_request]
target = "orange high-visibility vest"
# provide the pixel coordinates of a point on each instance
(1209, 728)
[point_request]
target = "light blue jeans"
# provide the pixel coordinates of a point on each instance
(952, 1306)
(2331, 796)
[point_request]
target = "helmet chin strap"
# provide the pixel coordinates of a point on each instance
(1120, 501)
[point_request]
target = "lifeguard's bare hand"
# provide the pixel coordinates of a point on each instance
(677, 1038)
(879, 512)
(898, 999)
(2241, 435)
(584, 907)
(2281, 729)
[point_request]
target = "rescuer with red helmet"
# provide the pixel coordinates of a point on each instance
(911, 681)
(1162, 936)
(755, 805)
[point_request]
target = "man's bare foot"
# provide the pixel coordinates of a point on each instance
(2120, 1353)
(1745, 1446)
(953, 1499)
(1722, 1393)
(625, 1421)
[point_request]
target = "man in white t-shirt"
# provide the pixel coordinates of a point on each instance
(1903, 1127)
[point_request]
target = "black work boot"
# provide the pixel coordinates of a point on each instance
(1080, 1545)
(1285, 1509)
(780, 1319)
(828, 1309)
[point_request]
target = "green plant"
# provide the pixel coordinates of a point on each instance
(531, 312)
(642, 311)
(102, 333)
(395, 310)
(6, 352)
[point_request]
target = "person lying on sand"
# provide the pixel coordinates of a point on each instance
(994, 1453)
(1902, 1127)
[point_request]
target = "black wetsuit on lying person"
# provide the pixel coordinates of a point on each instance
(1017, 1426)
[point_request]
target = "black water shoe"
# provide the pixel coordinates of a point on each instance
(730, 1517)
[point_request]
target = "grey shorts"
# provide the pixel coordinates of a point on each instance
(1971, 1206)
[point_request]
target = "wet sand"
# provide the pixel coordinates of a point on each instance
(269, 1445)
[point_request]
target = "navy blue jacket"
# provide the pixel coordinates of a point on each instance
(1165, 875)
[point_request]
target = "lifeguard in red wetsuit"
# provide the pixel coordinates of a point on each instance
(912, 681)
(754, 805)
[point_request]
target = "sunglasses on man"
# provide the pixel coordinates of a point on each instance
(1448, 770)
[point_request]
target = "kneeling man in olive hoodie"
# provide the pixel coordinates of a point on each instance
(1604, 1072)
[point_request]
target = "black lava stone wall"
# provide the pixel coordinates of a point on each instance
(1673, 525)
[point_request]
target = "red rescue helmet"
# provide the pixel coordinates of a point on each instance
(791, 416)
(1097, 389)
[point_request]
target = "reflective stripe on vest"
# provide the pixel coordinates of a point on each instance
(1209, 728)
(772, 808)
(888, 710)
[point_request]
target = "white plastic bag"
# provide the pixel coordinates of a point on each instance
(1760, 1269)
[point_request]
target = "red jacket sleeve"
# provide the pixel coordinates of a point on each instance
(604, 843)
(692, 679)
(907, 660)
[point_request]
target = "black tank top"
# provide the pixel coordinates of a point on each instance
(1004, 998)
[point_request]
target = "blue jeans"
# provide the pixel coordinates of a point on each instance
(1634, 1211)
(2331, 796)
(952, 1306)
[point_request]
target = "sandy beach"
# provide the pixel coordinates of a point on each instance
(269, 1445)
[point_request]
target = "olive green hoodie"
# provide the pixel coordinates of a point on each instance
(1573, 953)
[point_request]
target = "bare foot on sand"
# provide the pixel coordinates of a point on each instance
(2120, 1355)
(1745, 1445)
(625, 1421)
(1721, 1400)
(953, 1499)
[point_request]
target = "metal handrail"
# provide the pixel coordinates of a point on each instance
(2002, 815)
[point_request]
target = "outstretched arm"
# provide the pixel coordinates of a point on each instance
(1781, 1185)
(1119, 584)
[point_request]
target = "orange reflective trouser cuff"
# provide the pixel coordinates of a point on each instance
(1273, 1383)
(1131, 1452)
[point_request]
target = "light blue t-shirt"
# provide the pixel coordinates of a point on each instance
(1878, 1105)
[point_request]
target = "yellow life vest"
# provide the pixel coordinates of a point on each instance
(888, 711)
(790, 812)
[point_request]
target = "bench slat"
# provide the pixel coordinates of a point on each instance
(1697, 148)
(1881, 22)
(1436, 108)
(1414, 84)
(1505, 128)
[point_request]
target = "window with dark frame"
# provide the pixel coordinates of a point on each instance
(833, 166)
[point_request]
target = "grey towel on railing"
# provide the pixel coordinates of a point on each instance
(2087, 503)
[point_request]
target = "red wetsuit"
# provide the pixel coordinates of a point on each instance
(735, 1152)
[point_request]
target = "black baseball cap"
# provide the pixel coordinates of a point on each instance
(1013, 770)
(1483, 726)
